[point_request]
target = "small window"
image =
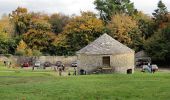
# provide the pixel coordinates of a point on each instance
(106, 61)
(129, 71)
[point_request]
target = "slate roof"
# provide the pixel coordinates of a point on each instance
(105, 44)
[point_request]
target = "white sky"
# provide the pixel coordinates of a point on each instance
(70, 7)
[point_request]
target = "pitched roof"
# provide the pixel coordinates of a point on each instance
(105, 44)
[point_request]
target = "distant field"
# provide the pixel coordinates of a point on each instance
(41, 85)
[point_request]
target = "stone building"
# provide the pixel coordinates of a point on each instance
(105, 53)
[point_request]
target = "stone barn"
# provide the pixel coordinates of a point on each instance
(105, 53)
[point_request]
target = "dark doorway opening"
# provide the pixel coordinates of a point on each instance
(129, 71)
(82, 72)
(106, 61)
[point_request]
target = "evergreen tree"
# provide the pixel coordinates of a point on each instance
(108, 8)
(160, 14)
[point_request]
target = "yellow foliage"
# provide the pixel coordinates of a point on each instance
(120, 27)
(29, 52)
(84, 23)
(22, 45)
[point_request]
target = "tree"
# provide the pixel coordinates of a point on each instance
(158, 46)
(160, 14)
(21, 48)
(79, 32)
(39, 21)
(39, 40)
(108, 8)
(6, 25)
(21, 20)
(7, 44)
(125, 29)
(145, 23)
(58, 22)
(41, 25)
(3, 42)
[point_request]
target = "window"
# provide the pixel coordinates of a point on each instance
(106, 61)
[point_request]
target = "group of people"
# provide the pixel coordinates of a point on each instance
(60, 70)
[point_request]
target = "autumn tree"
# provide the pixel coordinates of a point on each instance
(21, 48)
(7, 44)
(6, 25)
(39, 21)
(108, 8)
(41, 25)
(39, 40)
(79, 32)
(125, 29)
(39, 35)
(21, 20)
(58, 22)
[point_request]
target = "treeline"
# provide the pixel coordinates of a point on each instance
(31, 34)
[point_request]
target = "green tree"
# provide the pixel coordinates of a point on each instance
(21, 20)
(58, 22)
(145, 24)
(160, 14)
(108, 8)
(158, 46)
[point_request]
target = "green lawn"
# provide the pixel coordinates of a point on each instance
(40, 85)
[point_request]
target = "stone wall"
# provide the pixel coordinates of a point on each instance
(89, 63)
(18, 60)
(66, 60)
(120, 63)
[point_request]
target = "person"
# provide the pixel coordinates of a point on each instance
(55, 68)
(60, 70)
(32, 68)
(74, 71)
(150, 66)
(10, 64)
(69, 73)
(5, 63)
(63, 67)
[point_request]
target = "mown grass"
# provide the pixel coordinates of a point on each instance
(28, 85)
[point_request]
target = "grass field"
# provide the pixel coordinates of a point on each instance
(47, 85)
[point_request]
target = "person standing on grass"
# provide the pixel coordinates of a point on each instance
(5, 63)
(74, 71)
(60, 71)
(150, 66)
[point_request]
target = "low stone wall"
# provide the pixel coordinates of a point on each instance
(66, 60)
(18, 59)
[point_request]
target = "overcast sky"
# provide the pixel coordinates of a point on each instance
(70, 7)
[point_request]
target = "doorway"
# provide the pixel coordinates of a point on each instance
(129, 71)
